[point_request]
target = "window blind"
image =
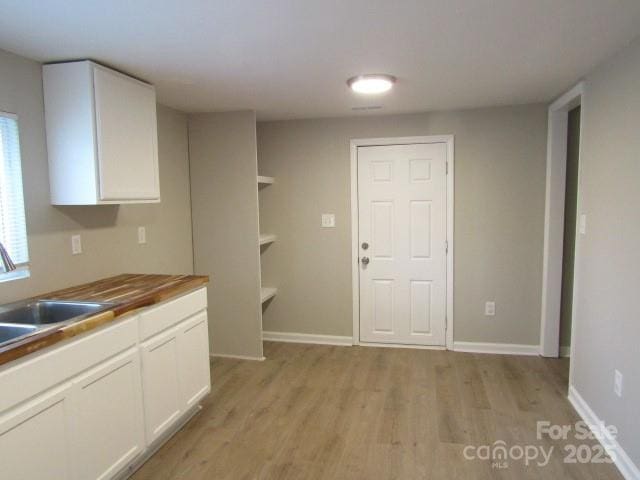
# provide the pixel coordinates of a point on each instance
(13, 229)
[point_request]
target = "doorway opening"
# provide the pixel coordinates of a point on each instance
(570, 225)
(563, 224)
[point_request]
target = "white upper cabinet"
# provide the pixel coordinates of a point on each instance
(101, 135)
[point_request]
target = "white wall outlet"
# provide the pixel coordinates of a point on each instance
(76, 245)
(328, 220)
(142, 235)
(490, 309)
(583, 224)
(617, 383)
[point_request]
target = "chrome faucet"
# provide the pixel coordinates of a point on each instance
(7, 263)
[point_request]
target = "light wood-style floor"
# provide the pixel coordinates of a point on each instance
(322, 412)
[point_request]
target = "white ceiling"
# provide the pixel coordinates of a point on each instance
(291, 58)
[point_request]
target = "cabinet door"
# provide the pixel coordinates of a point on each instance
(193, 359)
(127, 137)
(35, 440)
(108, 431)
(161, 390)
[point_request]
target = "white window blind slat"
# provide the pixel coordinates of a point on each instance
(13, 229)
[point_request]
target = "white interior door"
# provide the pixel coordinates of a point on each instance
(402, 195)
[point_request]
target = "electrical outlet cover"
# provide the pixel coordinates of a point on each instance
(328, 220)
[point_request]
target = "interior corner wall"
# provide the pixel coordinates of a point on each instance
(606, 313)
(500, 158)
(224, 202)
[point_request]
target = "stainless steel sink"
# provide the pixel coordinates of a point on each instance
(10, 332)
(20, 319)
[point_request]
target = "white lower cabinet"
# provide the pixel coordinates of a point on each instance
(35, 439)
(193, 359)
(175, 366)
(108, 417)
(162, 405)
(90, 408)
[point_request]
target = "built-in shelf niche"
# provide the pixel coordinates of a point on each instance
(264, 239)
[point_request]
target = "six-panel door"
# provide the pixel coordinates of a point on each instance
(402, 235)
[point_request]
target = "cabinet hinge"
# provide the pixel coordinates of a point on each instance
(446, 246)
(446, 168)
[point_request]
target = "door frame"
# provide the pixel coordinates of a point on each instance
(355, 243)
(558, 118)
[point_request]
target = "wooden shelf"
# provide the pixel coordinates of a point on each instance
(265, 180)
(267, 238)
(267, 292)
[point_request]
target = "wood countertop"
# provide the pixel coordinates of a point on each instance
(128, 292)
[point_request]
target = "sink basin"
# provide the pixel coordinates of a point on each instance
(21, 319)
(48, 312)
(9, 332)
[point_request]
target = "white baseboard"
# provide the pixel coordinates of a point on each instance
(627, 468)
(500, 348)
(306, 338)
(565, 351)
(237, 357)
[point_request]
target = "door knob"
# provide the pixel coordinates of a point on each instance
(365, 260)
(365, 245)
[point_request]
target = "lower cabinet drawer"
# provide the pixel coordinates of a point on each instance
(156, 319)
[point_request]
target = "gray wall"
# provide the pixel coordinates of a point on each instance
(607, 323)
(499, 215)
(224, 190)
(109, 233)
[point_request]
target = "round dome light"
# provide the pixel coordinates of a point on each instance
(371, 84)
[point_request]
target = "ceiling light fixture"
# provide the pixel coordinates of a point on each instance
(372, 83)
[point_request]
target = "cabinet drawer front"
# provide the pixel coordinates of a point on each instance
(34, 375)
(160, 318)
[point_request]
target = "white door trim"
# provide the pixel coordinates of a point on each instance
(355, 264)
(554, 221)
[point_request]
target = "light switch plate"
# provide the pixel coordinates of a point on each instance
(142, 235)
(583, 224)
(490, 309)
(617, 383)
(328, 220)
(76, 245)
